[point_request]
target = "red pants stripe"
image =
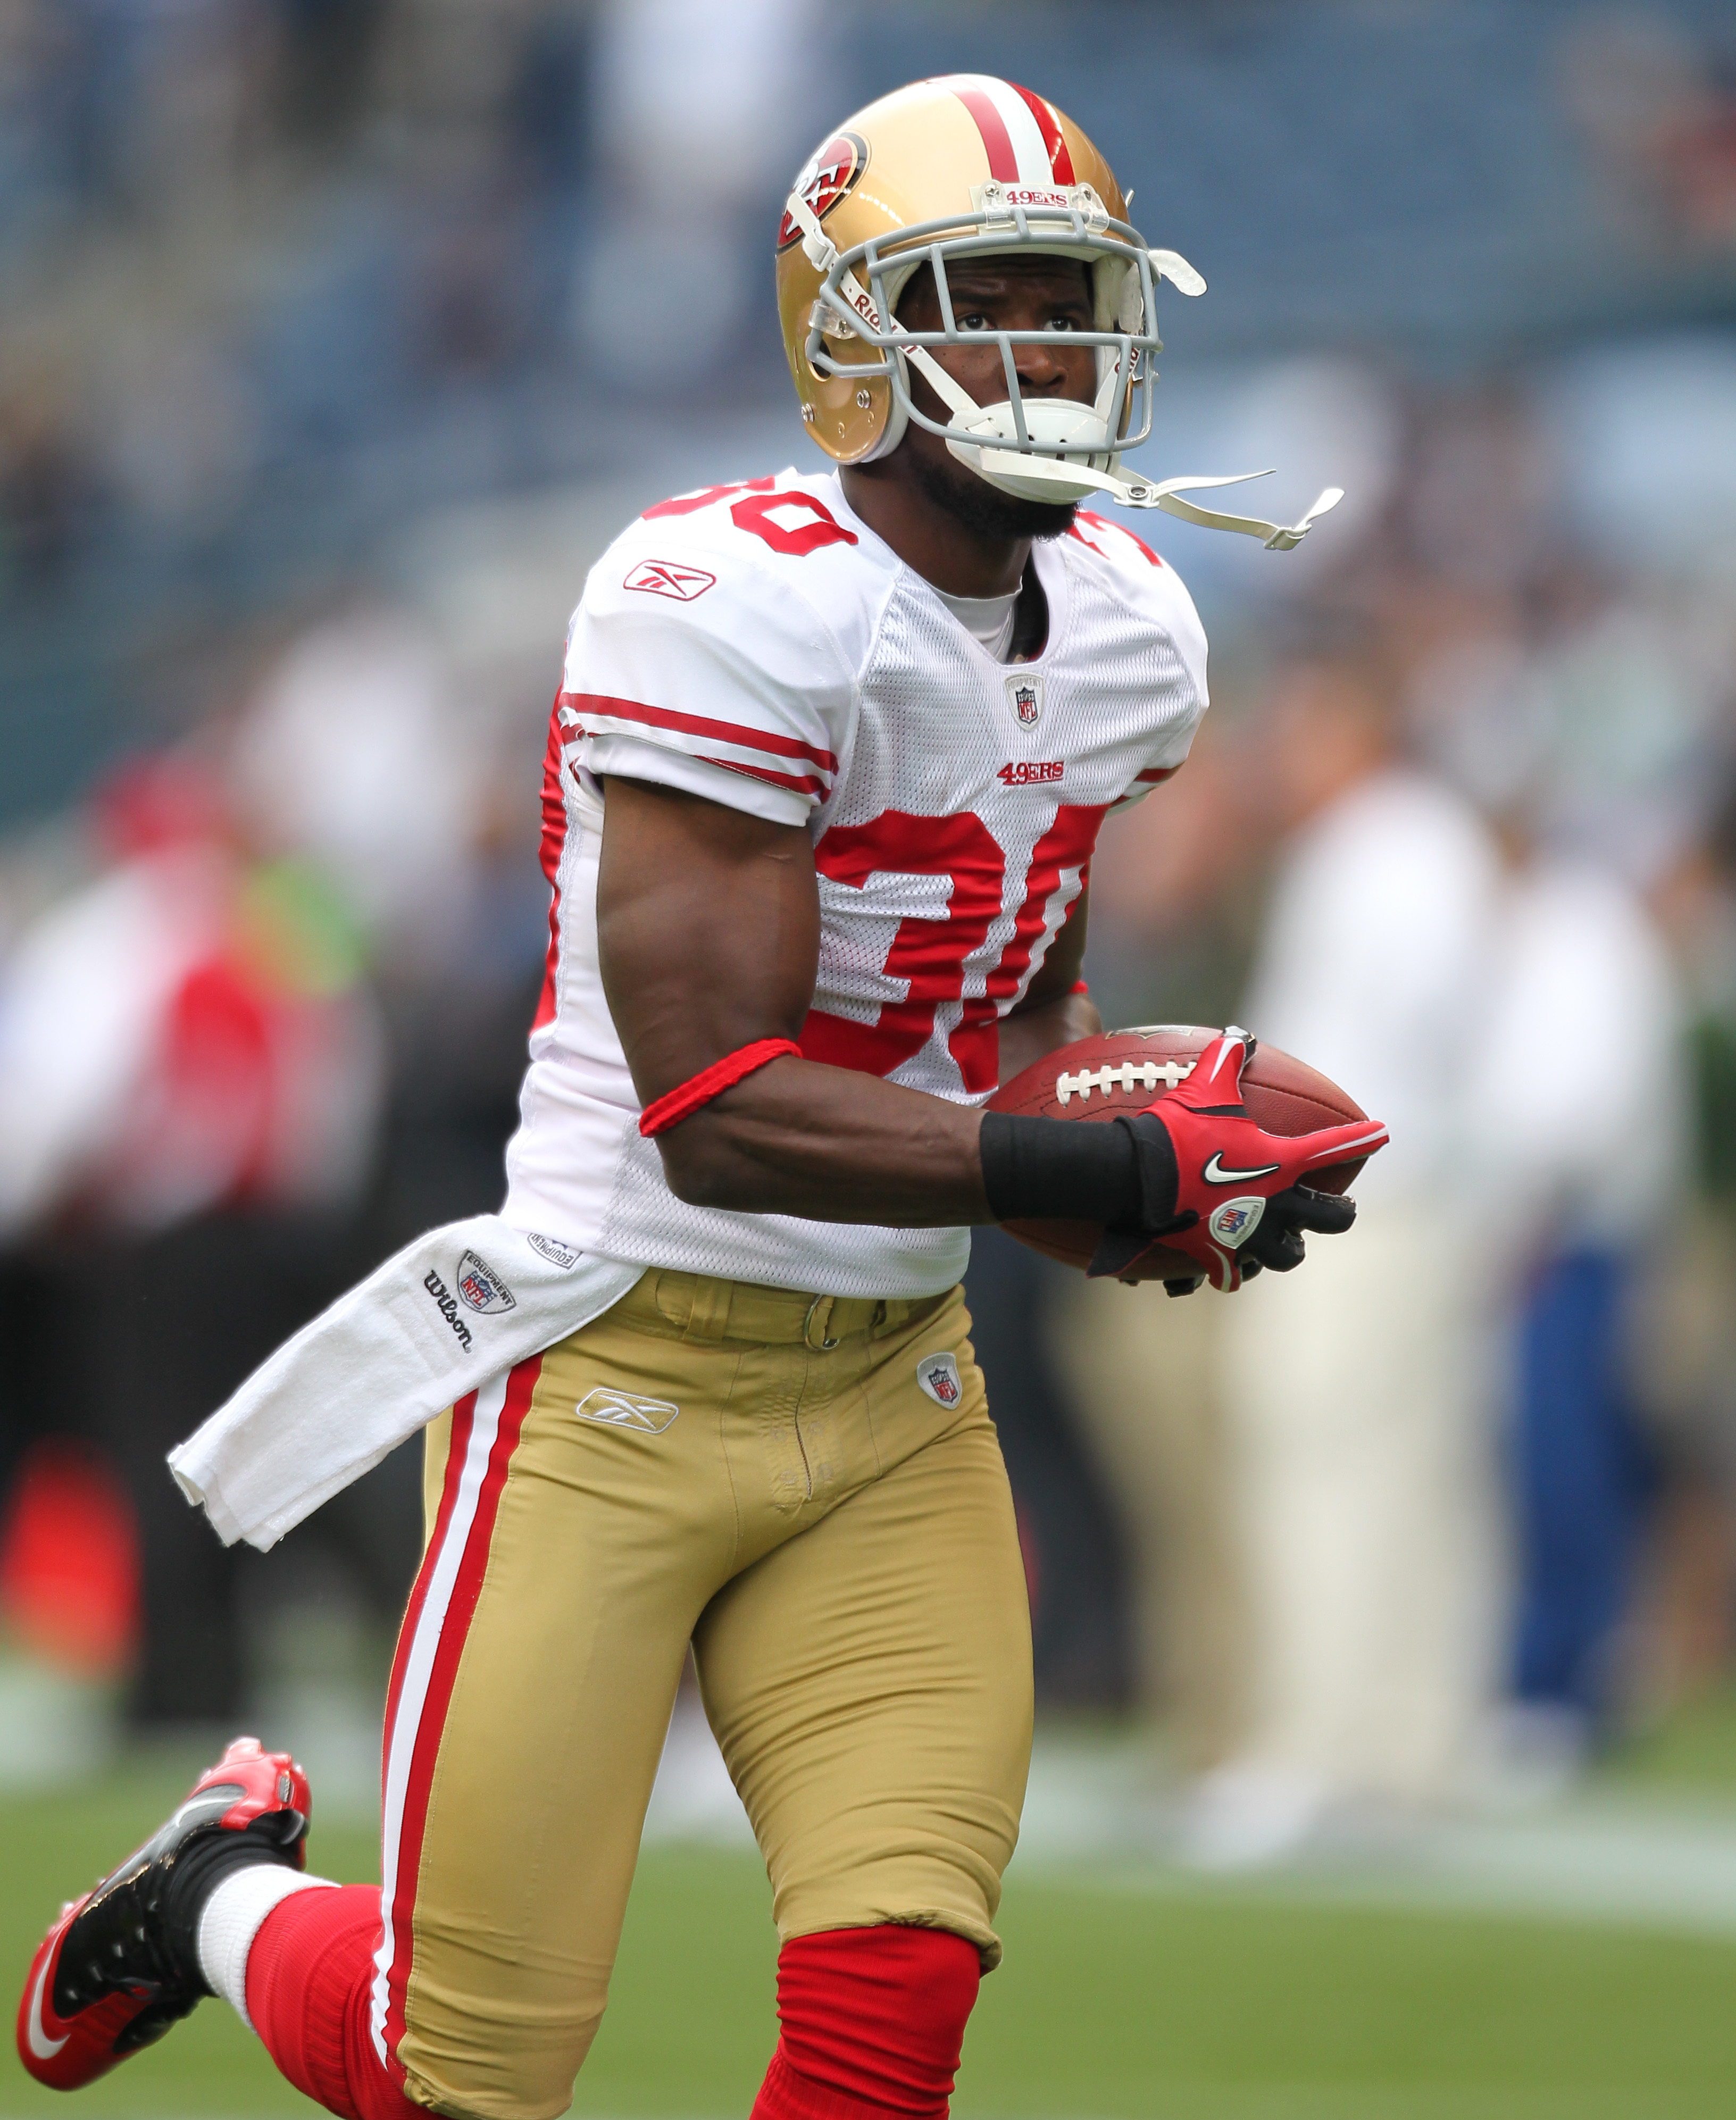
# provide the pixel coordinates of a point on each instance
(485, 1432)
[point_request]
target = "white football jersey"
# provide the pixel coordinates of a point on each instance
(760, 645)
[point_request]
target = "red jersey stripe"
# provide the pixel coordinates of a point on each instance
(553, 844)
(1054, 141)
(750, 739)
(804, 783)
(1003, 164)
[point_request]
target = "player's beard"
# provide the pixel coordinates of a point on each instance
(971, 501)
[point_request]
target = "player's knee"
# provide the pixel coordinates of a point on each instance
(877, 2015)
(513, 2062)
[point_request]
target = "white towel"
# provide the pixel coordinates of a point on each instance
(441, 1317)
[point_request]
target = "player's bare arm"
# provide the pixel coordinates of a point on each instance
(709, 928)
(708, 923)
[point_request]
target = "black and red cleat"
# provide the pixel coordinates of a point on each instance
(121, 1965)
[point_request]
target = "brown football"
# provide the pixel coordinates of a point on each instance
(1124, 1070)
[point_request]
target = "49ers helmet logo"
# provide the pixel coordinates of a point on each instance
(825, 180)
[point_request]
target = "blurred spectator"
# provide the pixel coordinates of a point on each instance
(1578, 1094)
(706, 115)
(1174, 901)
(350, 754)
(1588, 736)
(1685, 1335)
(1364, 1497)
(191, 1080)
(1075, 1569)
(1140, 1374)
(45, 486)
(183, 1032)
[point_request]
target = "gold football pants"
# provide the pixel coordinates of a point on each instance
(760, 1473)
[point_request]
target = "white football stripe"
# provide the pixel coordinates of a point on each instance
(412, 1697)
(1023, 132)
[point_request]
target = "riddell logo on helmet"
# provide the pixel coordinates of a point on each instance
(664, 578)
(825, 180)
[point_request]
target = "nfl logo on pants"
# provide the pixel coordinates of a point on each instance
(937, 1374)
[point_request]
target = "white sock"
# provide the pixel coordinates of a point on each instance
(231, 1919)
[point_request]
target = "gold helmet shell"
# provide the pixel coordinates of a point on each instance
(994, 166)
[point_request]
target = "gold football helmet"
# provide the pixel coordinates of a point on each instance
(954, 168)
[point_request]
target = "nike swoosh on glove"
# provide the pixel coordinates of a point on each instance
(1215, 1185)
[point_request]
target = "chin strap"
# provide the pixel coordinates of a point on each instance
(1164, 494)
(1275, 537)
(987, 461)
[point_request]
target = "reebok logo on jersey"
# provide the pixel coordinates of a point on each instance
(666, 578)
(1030, 772)
(937, 1374)
(620, 1409)
(446, 1303)
(1024, 696)
(482, 1288)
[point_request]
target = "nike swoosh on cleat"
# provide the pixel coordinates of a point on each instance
(1214, 1172)
(42, 2048)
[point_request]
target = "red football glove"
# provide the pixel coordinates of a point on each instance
(1218, 1187)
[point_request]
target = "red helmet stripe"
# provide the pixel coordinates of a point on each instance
(1004, 165)
(1054, 140)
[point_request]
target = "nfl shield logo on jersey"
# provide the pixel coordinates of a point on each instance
(1025, 692)
(939, 1376)
(482, 1288)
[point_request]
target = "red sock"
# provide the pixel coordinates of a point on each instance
(872, 2022)
(308, 1977)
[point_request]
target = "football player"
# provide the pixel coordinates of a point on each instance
(823, 779)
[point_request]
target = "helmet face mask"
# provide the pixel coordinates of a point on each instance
(939, 174)
(1053, 432)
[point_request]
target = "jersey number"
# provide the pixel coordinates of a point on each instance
(931, 955)
(755, 515)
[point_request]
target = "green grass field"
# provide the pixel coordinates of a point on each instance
(1202, 2004)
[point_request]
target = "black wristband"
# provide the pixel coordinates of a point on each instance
(1057, 1169)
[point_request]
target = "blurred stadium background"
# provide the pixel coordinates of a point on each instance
(1384, 1621)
